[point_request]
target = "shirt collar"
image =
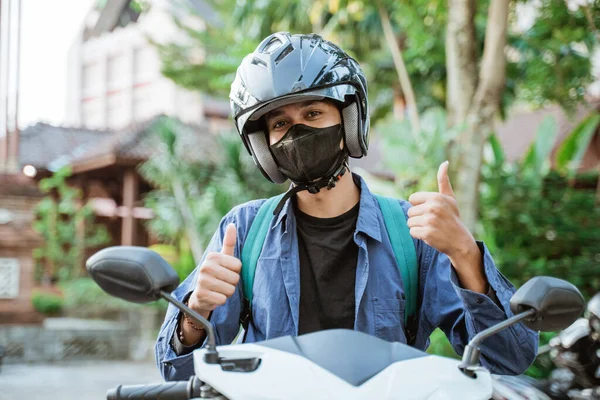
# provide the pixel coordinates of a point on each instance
(368, 215)
(368, 212)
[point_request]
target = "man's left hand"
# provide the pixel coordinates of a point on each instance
(434, 219)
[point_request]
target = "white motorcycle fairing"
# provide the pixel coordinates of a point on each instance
(364, 370)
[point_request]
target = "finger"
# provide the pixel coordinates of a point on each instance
(229, 240)
(421, 197)
(226, 275)
(207, 300)
(215, 299)
(214, 260)
(216, 285)
(417, 210)
(419, 232)
(417, 221)
(444, 185)
(231, 263)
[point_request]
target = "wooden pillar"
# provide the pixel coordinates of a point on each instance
(130, 195)
(81, 184)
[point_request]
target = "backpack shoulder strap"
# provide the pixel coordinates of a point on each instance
(254, 242)
(404, 250)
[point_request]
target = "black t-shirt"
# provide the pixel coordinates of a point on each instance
(328, 257)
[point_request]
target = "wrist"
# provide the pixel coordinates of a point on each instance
(190, 332)
(188, 335)
(469, 268)
(191, 303)
(467, 255)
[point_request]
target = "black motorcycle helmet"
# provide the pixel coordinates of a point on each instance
(286, 69)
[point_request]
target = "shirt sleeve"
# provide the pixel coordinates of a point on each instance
(175, 365)
(462, 313)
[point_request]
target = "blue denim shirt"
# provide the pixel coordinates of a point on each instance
(379, 294)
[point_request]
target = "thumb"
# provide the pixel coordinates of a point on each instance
(229, 240)
(444, 185)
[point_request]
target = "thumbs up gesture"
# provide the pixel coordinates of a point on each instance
(434, 218)
(217, 276)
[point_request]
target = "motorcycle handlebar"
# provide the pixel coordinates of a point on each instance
(178, 390)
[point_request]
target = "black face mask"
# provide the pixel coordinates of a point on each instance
(305, 154)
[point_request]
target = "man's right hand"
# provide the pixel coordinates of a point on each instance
(217, 276)
(216, 282)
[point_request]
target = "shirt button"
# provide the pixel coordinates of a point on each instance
(479, 300)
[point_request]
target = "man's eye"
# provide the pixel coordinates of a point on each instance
(279, 124)
(312, 114)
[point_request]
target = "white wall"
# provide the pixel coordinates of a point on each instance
(120, 81)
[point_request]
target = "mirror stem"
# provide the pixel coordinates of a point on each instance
(471, 355)
(211, 356)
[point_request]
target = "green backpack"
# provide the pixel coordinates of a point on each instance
(398, 233)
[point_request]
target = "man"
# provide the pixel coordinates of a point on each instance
(300, 105)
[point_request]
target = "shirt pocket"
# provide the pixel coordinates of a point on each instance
(270, 306)
(389, 319)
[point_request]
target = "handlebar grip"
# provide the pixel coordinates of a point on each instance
(178, 390)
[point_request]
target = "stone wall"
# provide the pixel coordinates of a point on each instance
(63, 339)
(106, 340)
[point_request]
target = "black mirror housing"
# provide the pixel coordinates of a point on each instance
(557, 303)
(134, 274)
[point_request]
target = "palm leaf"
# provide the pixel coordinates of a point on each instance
(538, 156)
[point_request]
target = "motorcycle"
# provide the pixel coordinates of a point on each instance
(575, 352)
(322, 365)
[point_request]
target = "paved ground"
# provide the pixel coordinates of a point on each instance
(72, 381)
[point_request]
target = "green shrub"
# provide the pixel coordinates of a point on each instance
(541, 228)
(439, 345)
(47, 303)
(85, 293)
(166, 251)
(184, 265)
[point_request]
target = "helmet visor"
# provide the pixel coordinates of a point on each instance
(248, 121)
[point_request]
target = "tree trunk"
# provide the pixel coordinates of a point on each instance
(482, 111)
(461, 61)
(406, 86)
(188, 219)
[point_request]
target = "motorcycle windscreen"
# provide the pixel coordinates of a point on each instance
(351, 355)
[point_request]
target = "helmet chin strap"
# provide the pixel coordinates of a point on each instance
(329, 181)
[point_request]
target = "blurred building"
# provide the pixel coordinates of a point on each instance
(116, 96)
(116, 70)
(39, 145)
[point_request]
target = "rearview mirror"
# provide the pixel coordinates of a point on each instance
(557, 303)
(135, 274)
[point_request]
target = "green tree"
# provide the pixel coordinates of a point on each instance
(476, 85)
(549, 61)
(537, 224)
(454, 53)
(67, 228)
(195, 189)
